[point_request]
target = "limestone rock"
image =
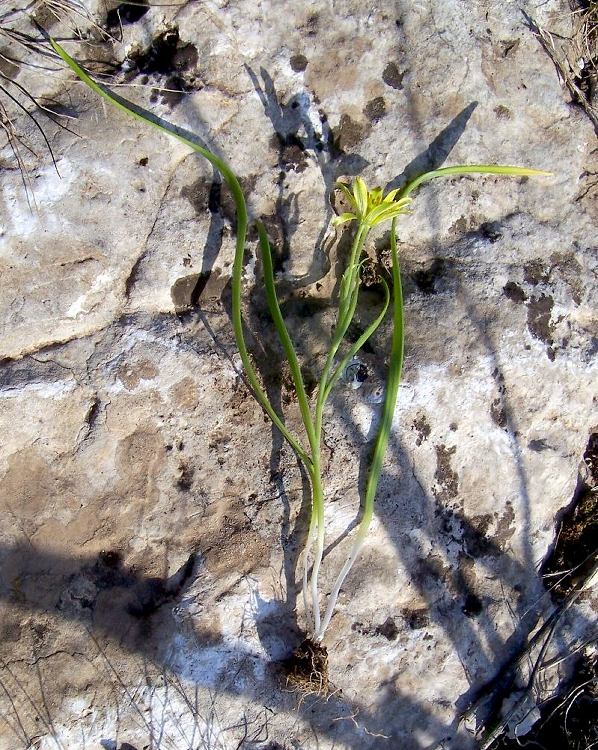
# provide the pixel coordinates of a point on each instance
(152, 520)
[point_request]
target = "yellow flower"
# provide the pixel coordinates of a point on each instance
(370, 207)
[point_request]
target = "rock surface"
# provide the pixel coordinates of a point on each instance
(152, 520)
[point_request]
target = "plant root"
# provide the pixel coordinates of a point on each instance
(307, 669)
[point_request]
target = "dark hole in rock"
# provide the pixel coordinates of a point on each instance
(426, 278)
(490, 230)
(375, 109)
(416, 618)
(170, 57)
(126, 13)
(388, 629)
(361, 374)
(472, 605)
(393, 77)
(356, 373)
(298, 63)
(514, 292)
(158, 58)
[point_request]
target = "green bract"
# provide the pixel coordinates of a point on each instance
(369, 209)
(370, 206)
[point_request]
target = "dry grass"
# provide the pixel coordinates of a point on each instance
(22, 47)
(575, 55)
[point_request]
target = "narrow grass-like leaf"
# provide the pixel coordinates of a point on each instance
(350, 278)
(242, 221)
(472, 169)
(286, 341)
(390, 400)
(348, 312)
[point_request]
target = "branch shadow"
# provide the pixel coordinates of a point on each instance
(437, 152)
(297, 140)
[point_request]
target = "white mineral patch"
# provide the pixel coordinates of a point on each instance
(47, 189)
(82, 304)
(56, 390)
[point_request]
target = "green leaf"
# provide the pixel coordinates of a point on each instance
(343, 218)
(389, 197)
(386, 211)
(473, 169)
(375, 196)
(347, 192)
(360, 193)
